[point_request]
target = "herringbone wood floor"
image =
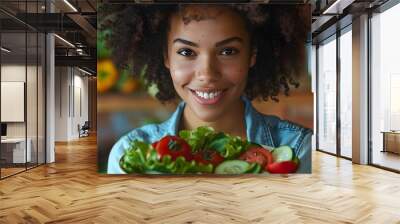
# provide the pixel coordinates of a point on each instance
(71, 191)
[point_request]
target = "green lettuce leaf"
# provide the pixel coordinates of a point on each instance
(141, 157)
(230, 147)
(198, 138)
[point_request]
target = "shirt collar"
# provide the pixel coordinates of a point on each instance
(257, 129)
(171, 126)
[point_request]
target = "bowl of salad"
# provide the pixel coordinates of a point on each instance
(205, 151)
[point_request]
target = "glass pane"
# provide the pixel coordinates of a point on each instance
(31, 88)
(31, 100)
(22, 64)
(386, 89)
(327, 96)
(13, 85)
(41, 98)
(346, 94)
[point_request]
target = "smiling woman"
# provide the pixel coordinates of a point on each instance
(216, 59)
(209, 69)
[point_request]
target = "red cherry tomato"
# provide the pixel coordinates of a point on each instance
(173, 146)
(208, 156)
(258, 155)
(282, 167)
(154, 144)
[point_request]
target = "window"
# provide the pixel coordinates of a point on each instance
(327, 96)
(385, 88)
(22, 60)
(346, 93)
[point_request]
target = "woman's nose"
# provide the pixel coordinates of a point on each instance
(207, 69)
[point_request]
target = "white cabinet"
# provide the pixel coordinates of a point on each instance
(18, 149)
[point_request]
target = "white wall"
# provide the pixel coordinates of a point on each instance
(71, 94)
(80, 96)
(61, 103)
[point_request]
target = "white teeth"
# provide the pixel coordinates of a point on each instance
(208, 95)
(199, 93)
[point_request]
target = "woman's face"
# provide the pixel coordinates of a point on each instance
(209, 56)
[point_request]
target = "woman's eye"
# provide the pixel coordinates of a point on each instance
(229, 51)
(186, 52)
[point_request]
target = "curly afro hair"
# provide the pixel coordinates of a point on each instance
(279, 33)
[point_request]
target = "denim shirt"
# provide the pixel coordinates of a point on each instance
(262, 129)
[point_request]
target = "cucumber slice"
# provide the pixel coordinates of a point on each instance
(251, 167)
(232, 167)
(255, 169)
(282, 153)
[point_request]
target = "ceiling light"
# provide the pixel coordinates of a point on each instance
(70, 5)
(86, 72)
(337, 7)
(65, 41)
(5, 49)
